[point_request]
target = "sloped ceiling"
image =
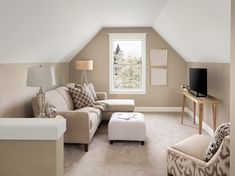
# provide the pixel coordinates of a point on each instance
(126, 13)
(56, 30)
(199, 30)
(45, 30)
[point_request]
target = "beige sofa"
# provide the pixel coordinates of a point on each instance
(82, 123)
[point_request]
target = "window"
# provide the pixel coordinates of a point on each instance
(127, 59)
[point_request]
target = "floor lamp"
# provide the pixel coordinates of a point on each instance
(84, 65)
(42, 77)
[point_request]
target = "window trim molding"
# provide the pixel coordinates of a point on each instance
(127, 36)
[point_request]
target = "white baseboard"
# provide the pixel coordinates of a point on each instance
(204, 125)
(158, 109)
(174, 109)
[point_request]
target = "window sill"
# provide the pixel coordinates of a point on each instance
(141, 92)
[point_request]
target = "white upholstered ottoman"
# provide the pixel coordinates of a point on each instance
(127, 126)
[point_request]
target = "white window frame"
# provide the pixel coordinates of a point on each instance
(127, 37)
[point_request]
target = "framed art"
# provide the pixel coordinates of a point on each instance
(158, 57)
(158, 76)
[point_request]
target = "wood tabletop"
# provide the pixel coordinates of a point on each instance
(201, 100)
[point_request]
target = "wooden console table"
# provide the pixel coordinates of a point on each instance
(200, 101)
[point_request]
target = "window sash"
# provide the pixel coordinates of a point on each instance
(127, 37)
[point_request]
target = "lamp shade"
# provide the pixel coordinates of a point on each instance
(40, 77)
(84, 65)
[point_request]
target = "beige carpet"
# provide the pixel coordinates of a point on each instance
(129, 158)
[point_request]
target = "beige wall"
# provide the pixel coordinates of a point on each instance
(98, 50)
(15, 96)
(232, 89)
(217, 86)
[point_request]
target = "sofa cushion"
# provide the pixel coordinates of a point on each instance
(64, 91)
(94, 114)
(55, 98)
(194, 146)
(221, 132)
(89, 109)
(117, 105)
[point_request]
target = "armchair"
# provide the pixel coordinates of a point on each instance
(187, 158)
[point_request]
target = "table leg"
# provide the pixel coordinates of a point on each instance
(200, 117)
(194, 113)
(182, 115)
(214, 116)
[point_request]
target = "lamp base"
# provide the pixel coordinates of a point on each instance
(41, 103)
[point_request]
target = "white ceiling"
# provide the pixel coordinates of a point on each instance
(56, 30)
(126, 13)
(199, 30)
(45, 30)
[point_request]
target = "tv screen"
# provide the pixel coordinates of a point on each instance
(198, 81)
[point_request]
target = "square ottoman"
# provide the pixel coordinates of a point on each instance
(127, 126)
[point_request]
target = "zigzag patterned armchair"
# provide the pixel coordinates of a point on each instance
(186, 158)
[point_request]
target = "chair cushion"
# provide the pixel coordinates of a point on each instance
(221, 132)
(194, 146)
(115, 105)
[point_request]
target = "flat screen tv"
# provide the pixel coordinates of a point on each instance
(198, 81)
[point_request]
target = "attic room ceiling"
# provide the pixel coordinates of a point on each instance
(126, 13)
(199, 30)
(51, 31)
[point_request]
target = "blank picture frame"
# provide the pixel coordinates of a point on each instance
(158, 57)
(158, 76)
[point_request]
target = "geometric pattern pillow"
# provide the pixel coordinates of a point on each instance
(221, 132)
(81, 97)
(90, 88)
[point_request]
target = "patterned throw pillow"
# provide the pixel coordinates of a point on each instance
(89, 88)
(221, 132)
(81, 97)
(50, 111)
(92, 90)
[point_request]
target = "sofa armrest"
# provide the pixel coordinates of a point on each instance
(222, 155)
(178, 154)
(77, 125)
(101, 95)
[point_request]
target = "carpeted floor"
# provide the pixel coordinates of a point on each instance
(129, 158)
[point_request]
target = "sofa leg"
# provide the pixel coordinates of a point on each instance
(86, 147)
(111, 142)
(168, 174)
(142, 142)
